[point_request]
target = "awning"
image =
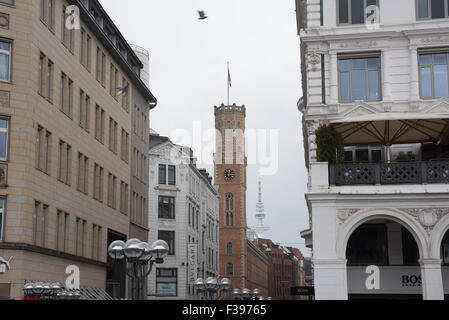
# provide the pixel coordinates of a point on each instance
(393, 128)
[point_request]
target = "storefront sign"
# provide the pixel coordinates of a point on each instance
(192, 256)
(166, 289)
(302, 291)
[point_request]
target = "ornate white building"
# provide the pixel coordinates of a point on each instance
(377, 71)
(183, 211)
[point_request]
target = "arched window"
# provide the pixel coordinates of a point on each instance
(229, 269)
(229, 209)
(229, 248)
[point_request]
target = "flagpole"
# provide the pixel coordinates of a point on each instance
(228, 82)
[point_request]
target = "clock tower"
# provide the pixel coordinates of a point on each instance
(230, 174)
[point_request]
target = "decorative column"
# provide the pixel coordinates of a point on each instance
(330, 279)
(414, 75)
(333, 75)
(432, 280)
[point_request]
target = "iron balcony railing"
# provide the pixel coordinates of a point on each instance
(389, 173)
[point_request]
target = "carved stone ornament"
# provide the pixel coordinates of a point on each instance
(429, 217)
(312, 127)
(345, 214)
(437, 39)
(4, 20)
(313, 60)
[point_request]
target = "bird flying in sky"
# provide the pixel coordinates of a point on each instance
(202, 15)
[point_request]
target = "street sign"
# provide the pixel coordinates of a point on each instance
(302, 291)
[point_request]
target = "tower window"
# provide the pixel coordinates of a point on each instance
(229, 209)
(229, 269)
(229, 248)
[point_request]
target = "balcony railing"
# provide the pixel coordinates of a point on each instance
(389, 173)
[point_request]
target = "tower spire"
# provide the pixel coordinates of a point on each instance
(260, 215)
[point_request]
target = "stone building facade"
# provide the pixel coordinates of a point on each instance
(65, 156)
(183, 211)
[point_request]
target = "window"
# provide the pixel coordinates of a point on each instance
(65, 162)
(4, 128)
(169, 237)
(229, 269)
(113, 81)
(113, 135)
(162, 174)
(67, 34)
(368, 245)
(98, 182)
(5, 60)
(2, 215)
(45, 77)
(99, 124)
(172, 175)
(166, 207)
(40, 215)
(364, 154)
(229, 210)
(10, 2)
(84, 110)
(166, 282)
(83, 173)
(47, 13)
(432, 9)
(43, 150)
(66, 95)
(359, 78)
(123, 198)
(62, 230)
(101, 66)
(112, 190)
(229, 248)
(434, 75)
(80, 236)
(410, 251)
(125, 95)
(355, 11)
(125, 146)
(85, 49)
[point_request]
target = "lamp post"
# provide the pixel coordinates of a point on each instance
(212, 288)
(247, 294)
(141, 256)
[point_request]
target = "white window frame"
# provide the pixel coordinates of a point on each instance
(7, 138)
(349, 23)
(429, 10)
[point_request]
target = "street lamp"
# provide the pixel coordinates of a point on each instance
(142, 257)
(247, 294)
(48, 291)
(212, 288)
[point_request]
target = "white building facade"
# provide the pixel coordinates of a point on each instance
(377, 71)
(183, 211)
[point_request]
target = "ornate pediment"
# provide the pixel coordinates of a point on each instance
(440, 107)
(361, 109)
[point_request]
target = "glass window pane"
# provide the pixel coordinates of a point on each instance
(362, 155)
(373, 85)
(345, 86)
(373, 62)
(440, 58)
(441, 81)
(348, 156)
(358, 63)
(423, 9)
(5, 45)
(3, 124)
(357, 11)
(359, 85)
(343, 11)
(3, 144)
(425, 59)
(4, 67)
(376, 156)
(426, 82)
(344, 65)
(437, 9)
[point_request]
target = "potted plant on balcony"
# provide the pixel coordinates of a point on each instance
(406, 157)
(330, 145)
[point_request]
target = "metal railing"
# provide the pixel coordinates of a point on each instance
(389, 173)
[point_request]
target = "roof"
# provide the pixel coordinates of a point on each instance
(87, 7)
(156, 140)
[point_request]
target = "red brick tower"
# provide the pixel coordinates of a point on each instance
(230, 175)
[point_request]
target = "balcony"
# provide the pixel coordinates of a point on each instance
(432, 172)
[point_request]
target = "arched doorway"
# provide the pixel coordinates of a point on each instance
(383, 262)
(445, 264)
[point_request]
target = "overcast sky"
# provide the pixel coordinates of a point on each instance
(188, 76)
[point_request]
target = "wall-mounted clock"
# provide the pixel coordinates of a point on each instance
(229, 174)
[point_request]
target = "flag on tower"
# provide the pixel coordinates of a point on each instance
(229, 77)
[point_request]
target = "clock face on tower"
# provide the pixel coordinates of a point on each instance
(229, 174)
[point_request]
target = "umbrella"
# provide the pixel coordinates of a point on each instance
(393, 128)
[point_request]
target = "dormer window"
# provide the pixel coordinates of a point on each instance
(355, 11)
